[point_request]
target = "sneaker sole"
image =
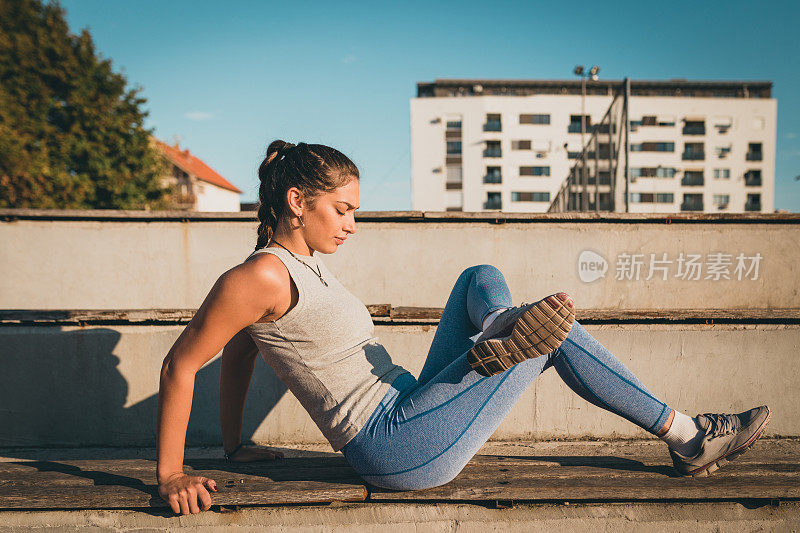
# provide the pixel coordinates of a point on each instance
(715, 465)
(538, 331)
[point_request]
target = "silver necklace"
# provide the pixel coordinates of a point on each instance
(318, 272)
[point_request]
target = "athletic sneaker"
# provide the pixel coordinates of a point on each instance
(521, 333)
(727, 437)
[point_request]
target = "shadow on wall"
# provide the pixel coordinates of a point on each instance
(63, 388)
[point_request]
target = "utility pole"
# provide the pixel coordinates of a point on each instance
(583, 204)
(627, 143)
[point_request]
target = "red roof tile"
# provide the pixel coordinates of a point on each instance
(194, 165)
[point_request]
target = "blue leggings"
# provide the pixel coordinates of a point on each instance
(426, 430)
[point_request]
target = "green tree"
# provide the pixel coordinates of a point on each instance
(72, 133)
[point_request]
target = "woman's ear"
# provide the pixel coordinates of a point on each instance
(294, 197)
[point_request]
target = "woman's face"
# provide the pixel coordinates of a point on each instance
(333, 218)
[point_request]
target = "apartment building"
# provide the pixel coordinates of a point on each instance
(509, 145)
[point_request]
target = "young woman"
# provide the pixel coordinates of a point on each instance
(397, 431)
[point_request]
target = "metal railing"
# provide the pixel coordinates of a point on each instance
(693, 156)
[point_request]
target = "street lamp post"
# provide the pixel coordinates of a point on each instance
(592, 73)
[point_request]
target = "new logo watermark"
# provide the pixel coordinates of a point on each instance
(591, 266)
(714, 266)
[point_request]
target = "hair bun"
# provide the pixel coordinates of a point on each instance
(278, 149)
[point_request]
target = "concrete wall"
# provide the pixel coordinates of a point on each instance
(134, 264)
(97, 385)
(73, 386)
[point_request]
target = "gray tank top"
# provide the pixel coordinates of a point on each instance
(324, 351)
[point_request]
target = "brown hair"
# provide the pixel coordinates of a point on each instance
(312, 168)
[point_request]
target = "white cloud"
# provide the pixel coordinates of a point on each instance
(349, 59)
(198, 115)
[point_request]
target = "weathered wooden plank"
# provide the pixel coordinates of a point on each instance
(105, 484)
(124, 496)
(146, 468)
(617, 480)
(646, 461)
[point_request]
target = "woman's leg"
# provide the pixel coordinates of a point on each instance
(478, 291)
(430, 428)
(596, 375)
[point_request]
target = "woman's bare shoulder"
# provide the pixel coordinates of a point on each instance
(262, 280)
(263, 270)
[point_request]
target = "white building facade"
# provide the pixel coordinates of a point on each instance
(480, 145)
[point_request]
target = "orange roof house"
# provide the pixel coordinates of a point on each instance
(201, 187)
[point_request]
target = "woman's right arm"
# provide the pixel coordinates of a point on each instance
(239, 297)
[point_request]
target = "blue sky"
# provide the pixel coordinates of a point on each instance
(229, 77)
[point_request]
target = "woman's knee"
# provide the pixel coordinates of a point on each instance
(481, 269)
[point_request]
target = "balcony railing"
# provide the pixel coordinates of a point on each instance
(605, 179)
(575, 127)
(754, 156)
(492, 179)
(694, 130)
(493, 126)
(752, 206)
(752, 181)
(692, 180)
(692, 206)
(492, 152)
(492, 204)
(693, 156)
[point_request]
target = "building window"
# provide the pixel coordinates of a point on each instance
(653, 147)
(453, 124)
(493, 201)
(530, 196)
(575, 124)
(453, 147)
(493, 122)
(493, 175)
(652, 120)
(693, 152)
(753, 202)
(534, 119)
(520, 145)
(692, 202)
(692, 178)
(752, 178)
(453, 173)
(653, 172)
(754, 152)
(652, 197)
(721, 200)
(534, 171)
(492, 149)
(694, 127)
(722, 173)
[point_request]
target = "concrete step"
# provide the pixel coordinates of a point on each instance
(692, 366)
